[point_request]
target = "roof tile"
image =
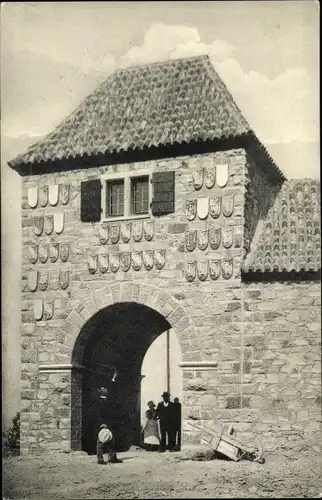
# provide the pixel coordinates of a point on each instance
(291, 235)
(159, 104)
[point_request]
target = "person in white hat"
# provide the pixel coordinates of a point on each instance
(106, 444)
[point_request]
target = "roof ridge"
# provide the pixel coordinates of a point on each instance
(160, 63)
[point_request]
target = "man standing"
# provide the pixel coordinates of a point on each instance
(177, 423)
(164, 413)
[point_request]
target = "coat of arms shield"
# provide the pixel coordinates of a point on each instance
(43, 196)
(103, 262)
(222, 174)
(103, 234)
(203, 239)
(203, 207)
(33, 252)
(92, 261)
(197, 178)
(33, 197)
(38, 309)
(126, 231)
(64, 193)
(214, 268)
(38, 225)
(148, 259)
(64, 279)
(215, 206)
(227, 236)
(191, 270)
(238, 236)
(137, 230)
(53, 193)
(191, 209)
(43, 280)
(125, 261)
(43, 253)
(137, 260)
(48, 309)
(32, 280)
(214, 237)
(63, 251)
(191, 240)
(148, 227)
(159, 258)
(114, 262)
(114, 233)
(210, 177)
(228, 204)
(203, 270)
(59, 222)
(227, 268)
(49, 224)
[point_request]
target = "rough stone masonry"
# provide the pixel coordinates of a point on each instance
(250, 351)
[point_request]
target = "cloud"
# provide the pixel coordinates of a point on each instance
(282, 109)
(163, 42)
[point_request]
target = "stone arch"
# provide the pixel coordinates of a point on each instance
(151, 296)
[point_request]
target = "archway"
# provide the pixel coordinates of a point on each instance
(116, 340)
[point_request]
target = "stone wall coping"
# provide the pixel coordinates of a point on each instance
(198, 365)
(62, 367)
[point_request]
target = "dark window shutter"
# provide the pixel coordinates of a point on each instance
(91, 201)
(163, 193)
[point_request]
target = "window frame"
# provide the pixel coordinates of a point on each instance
(126, 177)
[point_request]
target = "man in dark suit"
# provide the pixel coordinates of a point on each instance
(177, 423)
(164, 413)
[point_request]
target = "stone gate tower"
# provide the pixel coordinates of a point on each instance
(153, 206)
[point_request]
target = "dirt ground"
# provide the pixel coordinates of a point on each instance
(153, 475)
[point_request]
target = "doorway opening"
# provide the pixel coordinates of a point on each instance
(161, 372)
(111, 348)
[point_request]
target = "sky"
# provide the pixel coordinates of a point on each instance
(54, 53)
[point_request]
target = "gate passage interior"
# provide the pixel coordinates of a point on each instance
(116, 341)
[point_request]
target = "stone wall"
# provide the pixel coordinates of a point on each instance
(279, 400)
(60, 293)
(282, 374)
(250, 352)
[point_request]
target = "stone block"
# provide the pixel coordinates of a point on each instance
(233, 402)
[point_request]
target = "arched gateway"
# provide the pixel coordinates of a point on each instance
(111, 331)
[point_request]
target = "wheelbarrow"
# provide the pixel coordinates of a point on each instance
(221, 439)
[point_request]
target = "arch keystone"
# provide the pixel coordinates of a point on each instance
(126, 292)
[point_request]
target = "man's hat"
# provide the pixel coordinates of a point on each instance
(166, 394)
(103, 426)
(151, 403)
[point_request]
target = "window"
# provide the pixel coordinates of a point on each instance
(126, 195)
(115, 198)
(140, 195)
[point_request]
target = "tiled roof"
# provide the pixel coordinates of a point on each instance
(289, 239)
(173, 102)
